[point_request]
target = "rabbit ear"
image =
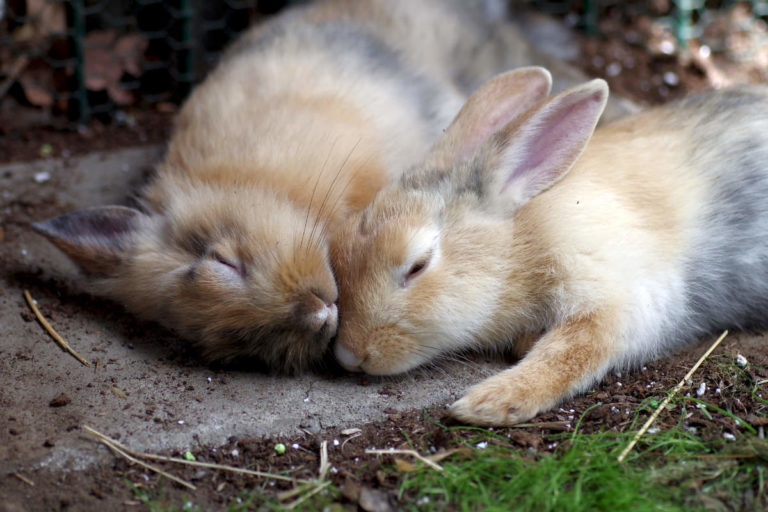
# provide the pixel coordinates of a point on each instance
(492, 106)
(94, 238)
(530, 154)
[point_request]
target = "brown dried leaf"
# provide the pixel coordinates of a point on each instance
(36, 94)
(44, 19)
(404, 466)
(107, 57)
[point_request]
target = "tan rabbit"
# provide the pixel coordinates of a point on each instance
(302, 122)
(617, 245)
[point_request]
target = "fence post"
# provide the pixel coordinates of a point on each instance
(78, 37)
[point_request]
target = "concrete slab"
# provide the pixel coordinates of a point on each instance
(142, 390)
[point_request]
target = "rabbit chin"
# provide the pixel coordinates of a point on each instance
(397, 354)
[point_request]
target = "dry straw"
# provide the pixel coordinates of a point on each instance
(47, 326)
(671, 395)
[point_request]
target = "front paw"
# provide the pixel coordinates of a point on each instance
(497, 401)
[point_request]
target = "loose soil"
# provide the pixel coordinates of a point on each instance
(609, 407)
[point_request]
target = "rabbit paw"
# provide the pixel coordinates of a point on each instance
(498, 401)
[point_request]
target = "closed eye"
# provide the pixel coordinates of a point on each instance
(227, 262)
(417, 268)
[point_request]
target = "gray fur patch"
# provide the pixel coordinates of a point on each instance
(352, 47)
(727, 273)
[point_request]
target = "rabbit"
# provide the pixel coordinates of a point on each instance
(579, 250)
(303, 120)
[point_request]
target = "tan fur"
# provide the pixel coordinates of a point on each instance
(594, 256)
(302, 122)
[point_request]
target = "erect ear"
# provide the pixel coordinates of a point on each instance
(491, 107)
(533, 152)
(94, 238)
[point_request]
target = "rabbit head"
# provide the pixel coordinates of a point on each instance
(445, 259)
(242, 273)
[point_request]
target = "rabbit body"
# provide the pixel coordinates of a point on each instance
(654, 235)
(305, 118)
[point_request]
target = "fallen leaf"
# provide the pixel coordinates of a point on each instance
(108, 57)
(404, 466)
(44, 18)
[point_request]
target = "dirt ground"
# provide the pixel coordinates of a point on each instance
(146, 374)
(610, 407)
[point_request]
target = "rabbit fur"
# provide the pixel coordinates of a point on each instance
(303, 120)
(581, 250)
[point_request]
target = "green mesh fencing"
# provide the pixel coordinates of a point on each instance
(81, 59)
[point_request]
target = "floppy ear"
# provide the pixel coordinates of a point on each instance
(94, 238)
(532, 153)
(491, 107)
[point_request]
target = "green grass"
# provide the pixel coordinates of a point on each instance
(673, 467)
(583, 475)
(672, 470)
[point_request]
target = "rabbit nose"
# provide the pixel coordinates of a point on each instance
(347, 358)
(318, 315)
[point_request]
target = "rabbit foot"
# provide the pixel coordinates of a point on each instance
(497, 401)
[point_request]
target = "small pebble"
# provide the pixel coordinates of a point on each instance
(741, 360)
(235, 452)
(667, 47)
(42, 177)
(613, 69)
(60, 400)
(295, 446)
(671, 78)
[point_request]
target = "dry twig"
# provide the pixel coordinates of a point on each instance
(50, 329)
(319, 487)
(116, 447)
(663, 404)
(412, 453)
(24, 479)
(208, 465)
(324, 464)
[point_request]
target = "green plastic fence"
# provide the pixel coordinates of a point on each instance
(51, 47)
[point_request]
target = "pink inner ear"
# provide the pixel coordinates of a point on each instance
(553, 144)
(503, 113)
(496, 104)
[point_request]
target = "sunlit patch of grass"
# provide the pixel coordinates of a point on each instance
(674, 471)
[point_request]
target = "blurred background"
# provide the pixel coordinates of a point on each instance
(113, 72)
